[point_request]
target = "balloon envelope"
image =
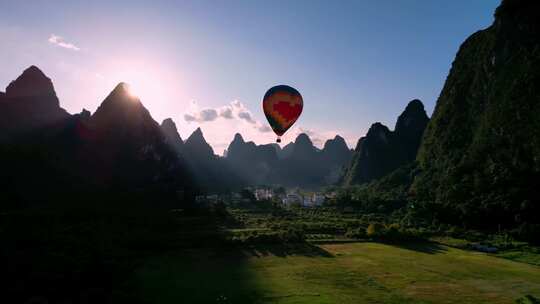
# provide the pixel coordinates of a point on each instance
(282, 106)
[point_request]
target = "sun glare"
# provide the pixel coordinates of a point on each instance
(156, 87)
(131, 91)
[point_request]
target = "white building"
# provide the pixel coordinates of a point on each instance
(263, 194)
(292, 198)
(307, 201)
(213, 198)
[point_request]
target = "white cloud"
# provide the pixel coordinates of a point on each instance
(226, 112)
(246, 116)
(189, 118)
(59, 41)
(208, 115)
(219, 125)
(264, 128)
(234, 110)
(202, 116)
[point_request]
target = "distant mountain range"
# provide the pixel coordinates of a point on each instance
(299, 163)
(47, 154)
(122, 146)
(29, 103)
(476, 162)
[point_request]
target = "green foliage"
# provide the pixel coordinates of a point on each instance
(385, 195)
(479, 156)
(247, 194)
(374, 230)
(528, 299)
(355, 233)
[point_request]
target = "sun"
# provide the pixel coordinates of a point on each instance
(132, 92)
(153, 84)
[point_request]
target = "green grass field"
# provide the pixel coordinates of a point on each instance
(336, 273)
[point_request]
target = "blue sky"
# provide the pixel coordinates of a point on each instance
(355, 62)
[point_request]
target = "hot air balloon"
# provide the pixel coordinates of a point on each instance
(282, 106)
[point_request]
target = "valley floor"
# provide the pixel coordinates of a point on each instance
(362, 272)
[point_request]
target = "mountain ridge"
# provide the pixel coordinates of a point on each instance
(478, 158)
(382, 151)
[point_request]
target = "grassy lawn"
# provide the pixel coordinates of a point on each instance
(336, 273)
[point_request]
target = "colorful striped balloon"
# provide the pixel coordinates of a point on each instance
(282, 106)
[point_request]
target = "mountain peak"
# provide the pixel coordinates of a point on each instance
(413, 120)
(197, 137)
(336, 151)
(238, 138)
(197, 133)
(336, 142)
(32, 82)
(379, 132)
(303, 148)
(377, 128)
(123, 89)
(29, 103)
(339, 138)
(120, 108)
(168, 123)
(34, 69)
(168, 127)
(196, 144)
(415, 105)
(121, 95)
(303, 139)
(518, 10)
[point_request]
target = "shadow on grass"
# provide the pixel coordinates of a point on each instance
(92, 255)
(212, 274)
(283, 250)
(419, 246)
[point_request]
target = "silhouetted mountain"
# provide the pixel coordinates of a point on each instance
(304, 148)
(480, 153)
(381, 151)
(409, 129)
(287, 151)
(277, 148)
(119, 149)
(374, 156)
(304, 167)
(127, 144)
(299, 163)
(212, 172)
(196, 146)
(29, 102)
(337, 155)
(336, 151)
(254, 163)
(172, 137)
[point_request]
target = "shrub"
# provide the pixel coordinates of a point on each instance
(393, 232)
(375, 230)
(528, 299)
(355, 233)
